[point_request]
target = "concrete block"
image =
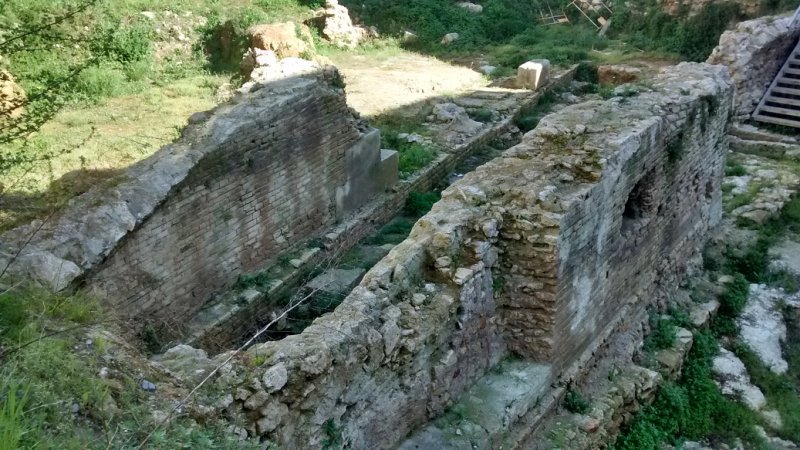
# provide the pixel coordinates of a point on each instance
(388, 172)
(533, 74)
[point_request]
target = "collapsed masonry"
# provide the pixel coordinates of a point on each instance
(283, 160)
(754, 52)
(539, 253)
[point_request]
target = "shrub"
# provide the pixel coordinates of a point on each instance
(574, 402)
(414, 157)
(662, 334)
(124, 43)
(418, 203)
(96, 84)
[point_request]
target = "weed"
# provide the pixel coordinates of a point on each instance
(662, 334)
(259, 360)
(419, 203)
(692, 408)
(529, 117)
(498, 283)
(574, 402)
(259, 281)
(12, 405)
(734, 168)
(333, 435)
(414, 157)
(392, 233)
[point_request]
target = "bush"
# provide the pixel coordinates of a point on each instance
(414, 157)
(96, 84)
(418, 203)
(662, 334)
(575, 403)
(124, 43)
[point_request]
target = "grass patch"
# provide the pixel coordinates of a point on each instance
(51, 395)
(734, 168)
(662, 334)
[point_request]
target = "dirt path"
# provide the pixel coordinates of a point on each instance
(399, 80)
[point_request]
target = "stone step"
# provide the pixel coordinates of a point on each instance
(488, 410)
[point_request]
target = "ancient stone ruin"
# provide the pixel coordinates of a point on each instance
(541, 253)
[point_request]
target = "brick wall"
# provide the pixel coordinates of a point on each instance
(258, 190)
(534, 252)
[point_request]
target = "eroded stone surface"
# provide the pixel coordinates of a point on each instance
(761, 325)
(754, 52)
(733, 380)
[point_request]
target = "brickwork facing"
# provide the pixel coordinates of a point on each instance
(244, 182)
(539, 252)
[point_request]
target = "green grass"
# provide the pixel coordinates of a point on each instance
(49, 369)
(693, 408)
(662, 334)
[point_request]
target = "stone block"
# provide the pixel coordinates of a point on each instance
(533, 74)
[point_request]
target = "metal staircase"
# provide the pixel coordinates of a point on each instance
(781, 103)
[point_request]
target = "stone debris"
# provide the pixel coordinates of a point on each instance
(287, 40)
(733, 380)
(337, 27)
(769, 183)
(488, 70)
(533, 74)
(148, 386)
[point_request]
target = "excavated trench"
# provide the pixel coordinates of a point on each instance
(313, 278)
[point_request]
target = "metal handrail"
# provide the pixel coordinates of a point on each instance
(795, 18)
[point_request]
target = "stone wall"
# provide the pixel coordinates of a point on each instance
(754, 53)
(244, 182)
(540, 252)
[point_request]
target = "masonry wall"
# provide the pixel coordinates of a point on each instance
(754, 53)
(514, 257)
(269, 185)
(244, 182)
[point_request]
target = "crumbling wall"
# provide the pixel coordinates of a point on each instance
(245, 181)
(754, 53)
(539, 252)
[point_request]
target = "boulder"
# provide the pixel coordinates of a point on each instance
(281, 38)
(533, 74)
(471, 7)
(618, 74)
(255, 58)
(449, 38)
(12, 97)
